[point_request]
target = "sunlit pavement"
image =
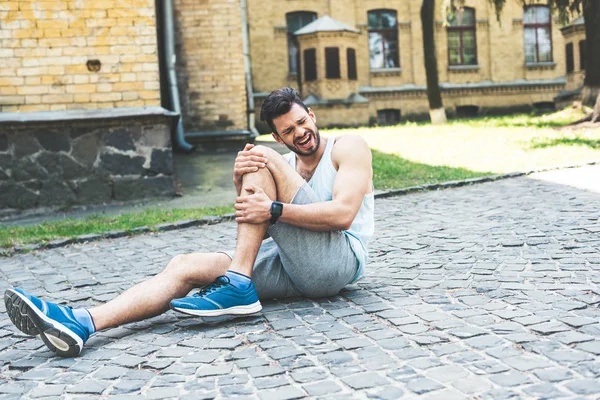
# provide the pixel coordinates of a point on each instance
(489, 291)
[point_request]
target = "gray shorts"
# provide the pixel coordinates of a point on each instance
(299, 262)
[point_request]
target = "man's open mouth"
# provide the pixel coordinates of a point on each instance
(304, 142)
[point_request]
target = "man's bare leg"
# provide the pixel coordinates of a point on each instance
(151, 297)
(250, 236)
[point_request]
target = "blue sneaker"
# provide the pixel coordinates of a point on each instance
(219, 298)
(55, 324)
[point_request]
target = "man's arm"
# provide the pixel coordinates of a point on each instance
(352, 156)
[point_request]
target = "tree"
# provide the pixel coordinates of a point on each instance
(566, 10)
(437, 113)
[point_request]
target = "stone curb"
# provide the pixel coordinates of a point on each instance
(211, 220)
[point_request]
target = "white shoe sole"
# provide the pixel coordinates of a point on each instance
(237, 310)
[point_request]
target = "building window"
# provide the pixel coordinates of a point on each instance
(570, 58)
(332, 63)
(383, 39)
(538, 34)
(351, 60)
(389, 116)
(582, 59)
(310, 65)
(295, 21)
(462, 43)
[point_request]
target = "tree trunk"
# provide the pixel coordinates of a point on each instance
(591, 84)
(596, 113)
(436, 108)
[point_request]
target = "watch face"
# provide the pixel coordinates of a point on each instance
(276, 208)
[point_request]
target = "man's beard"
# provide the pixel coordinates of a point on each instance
(310, 152)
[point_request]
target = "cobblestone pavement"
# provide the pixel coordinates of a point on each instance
(489, 291)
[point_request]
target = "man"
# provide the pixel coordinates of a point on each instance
(315, 203)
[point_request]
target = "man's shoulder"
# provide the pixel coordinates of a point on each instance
(350, 148)
(349, 145)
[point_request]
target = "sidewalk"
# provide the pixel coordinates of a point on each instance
(488, 291)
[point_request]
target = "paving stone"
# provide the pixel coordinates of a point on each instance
(472, 384)
(365, 380)
(545, 391)
(584, 386)
(423, 385)
(162, 393)
(322, 388)
(89, 386)
(257, 372)
(526, 362)
(47, 391)
(214, 370)
(271, 382)
(511, 378)
(591, 347)
(447, 373)
(548, 328)
(282, 393)
(578, 322)
(553, 374)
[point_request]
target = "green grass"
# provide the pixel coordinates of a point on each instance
(405, 155)
(70, 228)
(393, 172)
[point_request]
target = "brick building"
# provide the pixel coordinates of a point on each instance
(85, 86)
(362, 61)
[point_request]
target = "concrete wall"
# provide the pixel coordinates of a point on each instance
(45, 46)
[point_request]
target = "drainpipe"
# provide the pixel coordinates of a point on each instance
(169, 43)
(248, 72)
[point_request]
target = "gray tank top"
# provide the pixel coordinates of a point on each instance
(363, 226)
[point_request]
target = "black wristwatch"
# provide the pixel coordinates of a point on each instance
(276, 210)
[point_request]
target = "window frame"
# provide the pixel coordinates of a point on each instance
(382, 32)
(582, 55)
(332, 59)
(387, 112)
(293, 41)
(570, 57)
(352, 71)
(313, 66)
(535, 26)
(461, 29)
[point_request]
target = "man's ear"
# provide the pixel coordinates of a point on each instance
(277, 138)
(312, 115)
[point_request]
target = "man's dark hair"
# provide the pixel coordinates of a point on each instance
(279, 102)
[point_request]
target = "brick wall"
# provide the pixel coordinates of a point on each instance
(45, 47)
(210, 64)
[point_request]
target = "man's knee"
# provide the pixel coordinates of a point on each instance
(268, 152)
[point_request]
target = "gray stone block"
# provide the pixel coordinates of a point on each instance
(93, 190)
(161, 162)
(54, 192)
(129, 189)
(61, 166)
(121, 164)
(17, 196)
(24, 144)
(54, 140)
(120, 138)
(85, 149)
